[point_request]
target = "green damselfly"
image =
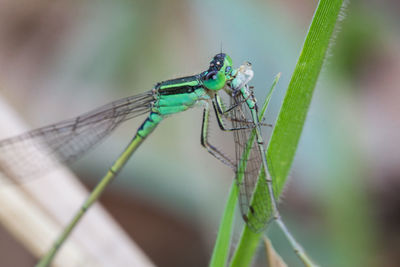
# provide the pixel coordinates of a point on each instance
(68, 140)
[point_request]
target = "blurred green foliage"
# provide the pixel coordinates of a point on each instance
(79, 55)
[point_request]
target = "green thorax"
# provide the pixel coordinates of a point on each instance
(178, 95)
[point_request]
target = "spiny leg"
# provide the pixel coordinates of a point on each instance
(204, 135)
(210, 148)
(221, 111)
(221, 123)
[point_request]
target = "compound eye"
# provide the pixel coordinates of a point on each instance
(211, 75)
(228, 69)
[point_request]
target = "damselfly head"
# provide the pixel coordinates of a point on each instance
(218, 73)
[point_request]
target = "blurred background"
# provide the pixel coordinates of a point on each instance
(59, 59)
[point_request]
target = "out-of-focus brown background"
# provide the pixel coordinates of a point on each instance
(61, 58)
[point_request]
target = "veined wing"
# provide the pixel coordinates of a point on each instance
(253, 204)
(34, 152)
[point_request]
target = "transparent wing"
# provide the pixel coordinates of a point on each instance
(249, 162)
(34, 152)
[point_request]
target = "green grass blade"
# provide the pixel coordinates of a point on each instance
(222, 244)
(221, 249)
(289, 125)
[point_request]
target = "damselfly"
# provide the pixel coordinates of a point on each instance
(68, 140)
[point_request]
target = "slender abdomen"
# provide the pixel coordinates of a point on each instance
(149, 124)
